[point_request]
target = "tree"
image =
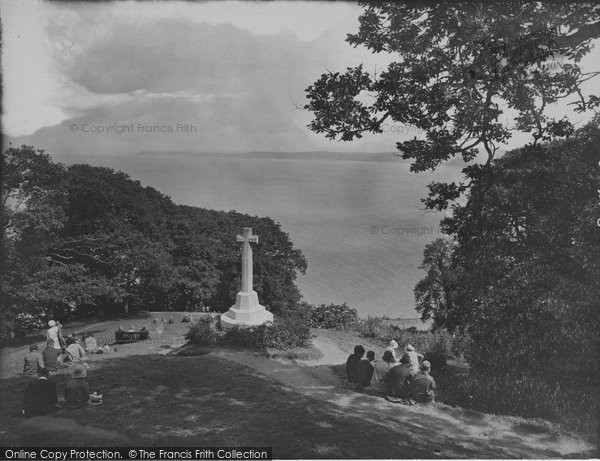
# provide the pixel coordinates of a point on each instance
(527, 262)
(460, 66)
(83, 240)
(433, 293)
(32, 213)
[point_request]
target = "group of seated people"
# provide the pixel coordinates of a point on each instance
(171, 321)
(58, 355)
(407, 378)
(53, 358)
(41, 396)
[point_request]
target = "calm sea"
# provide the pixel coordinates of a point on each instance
(357, 217)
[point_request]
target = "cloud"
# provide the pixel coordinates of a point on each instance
(238, 90)
(236, 83)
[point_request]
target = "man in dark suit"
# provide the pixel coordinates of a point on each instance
(40, 396)
(365, 370)
(399, 379)
(423, 386)
(352, 364)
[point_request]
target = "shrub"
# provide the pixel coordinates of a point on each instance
(377, 328)
(336, 316)
(288, 331)
(524, 395)
(202, 332)
(247, 338)
(439, 349)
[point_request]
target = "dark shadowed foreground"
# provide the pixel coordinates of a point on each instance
(236, 398)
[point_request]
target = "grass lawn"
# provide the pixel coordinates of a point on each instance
(11, 355)
(234, 398)
(200, 401)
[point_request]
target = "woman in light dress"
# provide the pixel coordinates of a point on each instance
(381, 368)
(53, 334)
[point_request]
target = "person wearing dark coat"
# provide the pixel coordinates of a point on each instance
(352, 364)
(365, 370)
(33, 361)
(50, 356)
(400, 379)
(423, 386)
(77, 391)
(40, 396)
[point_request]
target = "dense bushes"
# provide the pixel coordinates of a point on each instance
(377, 328)
(202, 332)
(288, 331)
(522, 395)
(336, 316)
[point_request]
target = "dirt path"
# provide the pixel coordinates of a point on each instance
(443, 431)
(448, 432)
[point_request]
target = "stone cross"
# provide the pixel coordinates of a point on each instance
(247, 238)
(247, 311)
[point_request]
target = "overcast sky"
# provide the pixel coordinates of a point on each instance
(228, 73)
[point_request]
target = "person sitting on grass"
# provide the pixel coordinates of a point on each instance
(381, 370)
(40, 396)
(75, 352)
(365, 370)
(414, 357)
(393, 348)
(77, 391)
(400, 379)
(423, 384)
(51, 356)
(90, 344)
(33, 361)
(352, 365)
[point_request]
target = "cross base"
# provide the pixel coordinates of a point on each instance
(246, 312)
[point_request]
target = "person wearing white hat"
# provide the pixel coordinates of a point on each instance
(414, 358)
(393, 348)
(53, 334)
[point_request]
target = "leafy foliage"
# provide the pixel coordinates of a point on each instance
(460, 66)
(83, 240)
(202, 332)
(433, 294)
(336, 316)
(287, 331)
(526, 279)
(523, 395)
(527, 261)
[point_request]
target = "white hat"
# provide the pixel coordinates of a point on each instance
(51, 323)
(393, 344)
(410, 348)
